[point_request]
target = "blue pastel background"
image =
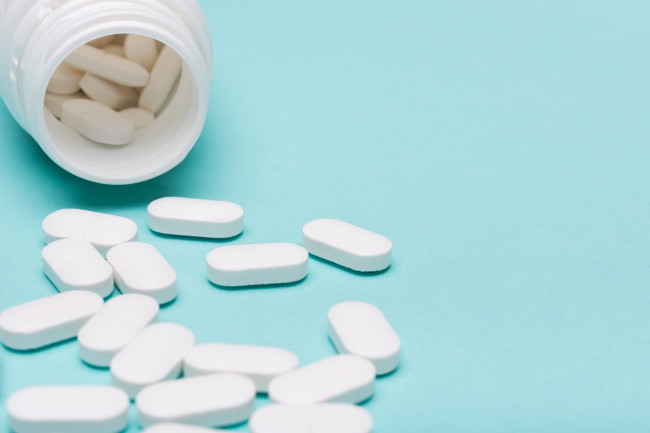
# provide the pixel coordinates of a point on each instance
(503, 146)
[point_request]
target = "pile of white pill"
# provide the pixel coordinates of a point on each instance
(112, 86)
(177, 385)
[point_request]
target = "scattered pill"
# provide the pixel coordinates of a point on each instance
(141, 49)
(195, 217)
(324, 417)
(74, 264)
(139, 268)
(154, 355)
(259, 363)
(361, 329)
(213, 400)
(70, 409)
(257, 264)
(54, 102)
(172, 427)
(339, 378)
(109, 66)
(117, 323)
(116, 49)
(103, 41)
(163, 76)
(102, 230)
(45, 321)
(106, 92)
(347, 245)
(139, 116)
(97, 122)
(65, 80)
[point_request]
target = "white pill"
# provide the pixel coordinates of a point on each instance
(215, 400)
(340, 378)
(163, 76)
(259, 363)
(347, 245)
(54, 102)
(325, 417)
(70, 409)
(102, 230)
(139, 116)
(154, 355)
(48, 320)
(139, 268)
(116, 49)
(74, 264)
(120, 38)
(103, 41)
(257, 264)
(172, 427)
(97, 122)
(65, 80)
(361, 329)
(196, 217)
(142, 50)
(114, 326)
(109, 66)
(106, 92)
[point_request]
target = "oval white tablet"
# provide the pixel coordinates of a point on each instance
(102, 230)
(163, 76)
(257, 264)
(97, 122)
(109, 66)
(196, 217)
(259, 363)
(74, 264)
(213, 400)
(140, 268)
(347, 245)
(154, 355)
(172, 427)
(70, 409)
(106, 92)
(340, 378)
(361, 329)
(141, 49)
(114, 326)
(138, 116)
(65, 80)
(103, 41)
(48, 320)
(328, 417)
(116, 49)
(54, 102)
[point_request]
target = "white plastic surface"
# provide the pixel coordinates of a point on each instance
(196, 217)
(45, 321)
(97, 122)
(340, 378)
(214, 400)
(54, 102)
(347, 245)
(261, 364)
(114, 326)
(139, 268)
(141, 49)
(109, 66)
(114, 96)
(139, 116)
(65, 80)
(324, 417)
(74, 264)
(163, 76)
(172, 427)
(257, 264)
(68, 409)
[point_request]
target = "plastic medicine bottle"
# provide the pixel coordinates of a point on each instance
(37, 35)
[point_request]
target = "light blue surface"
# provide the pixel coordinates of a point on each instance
(502, 146)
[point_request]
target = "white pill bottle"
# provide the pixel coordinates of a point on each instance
(37, 35)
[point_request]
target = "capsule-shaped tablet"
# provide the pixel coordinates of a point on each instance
(97, 122)
(69, 409)
(172, 427)
(138, 116)
(109, 66)
(361, 329)
(65, 80)
(154, 355)
(259, 363)
(163, 76)
(340, 378)
(116, 49)
(141, 49)
(102, 230)
(103, 41)
(215, 400)
(196, 217)
(139, 268)
(114, 326)
(347, 245)
(54, 102)
(48, 320)
(107, 93)
(329, 417)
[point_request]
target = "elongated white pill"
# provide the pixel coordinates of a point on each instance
(259, 363)
(163, 76)
(48, 320)
(172, 427)
(74, 264)
(65, 80)
(116, 49)
(139, 268)
(142, 50)
(103, 41)
(257, 264)
(109, 66)
(139, 116)
(97, 122)
(195, 217)
(340, 378)
(154, 355)
(54, 102)
(214, 400)
(102, 230)
(106, 92)
(114, 326)
(325, 417)
(69, 409)
(361, 329)
(347, 245)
